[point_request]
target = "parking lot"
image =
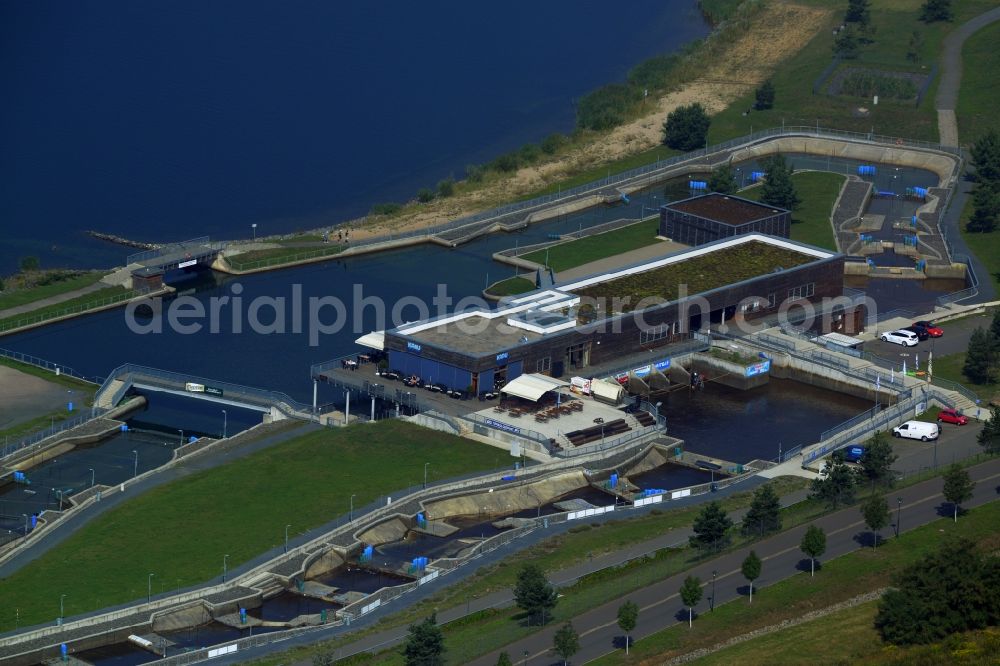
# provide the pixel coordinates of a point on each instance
(955, 339)
(954, 444)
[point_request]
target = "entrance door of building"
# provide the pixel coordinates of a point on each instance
(578, 356)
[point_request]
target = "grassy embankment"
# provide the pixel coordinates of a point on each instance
(255, 259)
(950, 367)
(78, 305)
(811, 221)
(180, 531)
(839, 579)
(978, 101)
(14, 297)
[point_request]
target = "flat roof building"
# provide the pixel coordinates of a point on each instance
(711, 217)
(570, 326)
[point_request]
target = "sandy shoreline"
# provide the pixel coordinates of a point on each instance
(776, 33)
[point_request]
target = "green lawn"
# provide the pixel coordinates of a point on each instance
(978, 98)
(838, 580)
(584, 250)
(511, 287)
(894, 21)
(74, 305)
(48, 375)
(14, 298)
(180, 531)
(280, 255)
(950, 367)
(811, 221)
(985, 246)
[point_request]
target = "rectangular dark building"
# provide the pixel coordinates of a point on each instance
(711, 217)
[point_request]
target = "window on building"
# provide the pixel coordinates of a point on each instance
(543, 364)
(802, 291)
(772, 299)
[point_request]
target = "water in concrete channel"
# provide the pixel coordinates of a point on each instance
(289, 605)
(175, 414)
(673, 477)
(915, 295)
(108, 462)
(353, 578)
(117, 654)
(183, 640)
(740, 426)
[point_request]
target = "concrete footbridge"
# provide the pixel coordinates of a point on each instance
(149, 266)
(126, 377)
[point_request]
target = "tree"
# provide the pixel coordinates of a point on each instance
(711, 528)
(764, 96)
(936, 10)
(876, 513)
(858, 11)
(985, 153)
(814, 545)
(533, 593)
(29, 264)
(691, 595)
(425, 195)
(504, 660)
(985, 209)
(876, 462)
(628, 616)
(836, 485)
(751, 570)
(778, 189)
(566, 642)
(989, 436)
(980, 357)
(722, 180)
(846, 44)
(425, 644)
(995, 326)
(446, 187)
(950, 591)
(915, 46)
(764, 514)
(686, 127)
(957, 487)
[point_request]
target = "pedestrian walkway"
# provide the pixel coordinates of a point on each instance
(951, 74)
(52, 300)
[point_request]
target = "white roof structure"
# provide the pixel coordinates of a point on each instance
(532, 387)
(375, 340)
(842, 340)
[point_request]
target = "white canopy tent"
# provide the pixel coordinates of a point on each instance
(375, 340)
(532, 387)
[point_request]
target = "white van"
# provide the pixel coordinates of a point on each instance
(917, 430)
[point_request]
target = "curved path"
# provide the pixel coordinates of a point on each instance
(945, 102)
(951, 74)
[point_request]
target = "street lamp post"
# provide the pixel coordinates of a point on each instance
(91, 477)
(225, 567)
(181, 432)
(61, 614)
(351, 514)
(149, 587)
(286, 538)
(254, 228)
(225, 423)
(899, 511)
(25, 525)
(712, 599)
(135, 463)
(425, 473)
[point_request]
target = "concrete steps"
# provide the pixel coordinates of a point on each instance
(104, 399)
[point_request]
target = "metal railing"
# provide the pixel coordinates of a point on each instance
(138, 257)
(28, 320)
(28, 359)
(284, 258)
(968, 292)
(54, 429)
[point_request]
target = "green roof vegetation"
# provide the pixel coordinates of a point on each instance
(699, 274)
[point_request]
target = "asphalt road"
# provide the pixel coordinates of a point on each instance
(660, 605)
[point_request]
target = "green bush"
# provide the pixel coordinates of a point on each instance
(506, 163)
(425, 195)
(475, 172)
(655, 73)
(388, 208)
(530, 153)
(553, 142)
(446, 187)
(607, 107)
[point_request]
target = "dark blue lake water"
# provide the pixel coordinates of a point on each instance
(165, 121)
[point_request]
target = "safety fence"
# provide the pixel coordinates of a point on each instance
(970, 277)
(283, 256)
(55, 428)
(47, 314)
(56, 368)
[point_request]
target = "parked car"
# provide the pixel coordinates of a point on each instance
(901, 337)
(918, 331)
(853, 453)
(917, 430)
(932, 330)
(952, 416)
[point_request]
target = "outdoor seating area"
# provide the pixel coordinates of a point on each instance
(541, 411)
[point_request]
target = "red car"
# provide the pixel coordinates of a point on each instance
(932, 330)
(951, 416)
